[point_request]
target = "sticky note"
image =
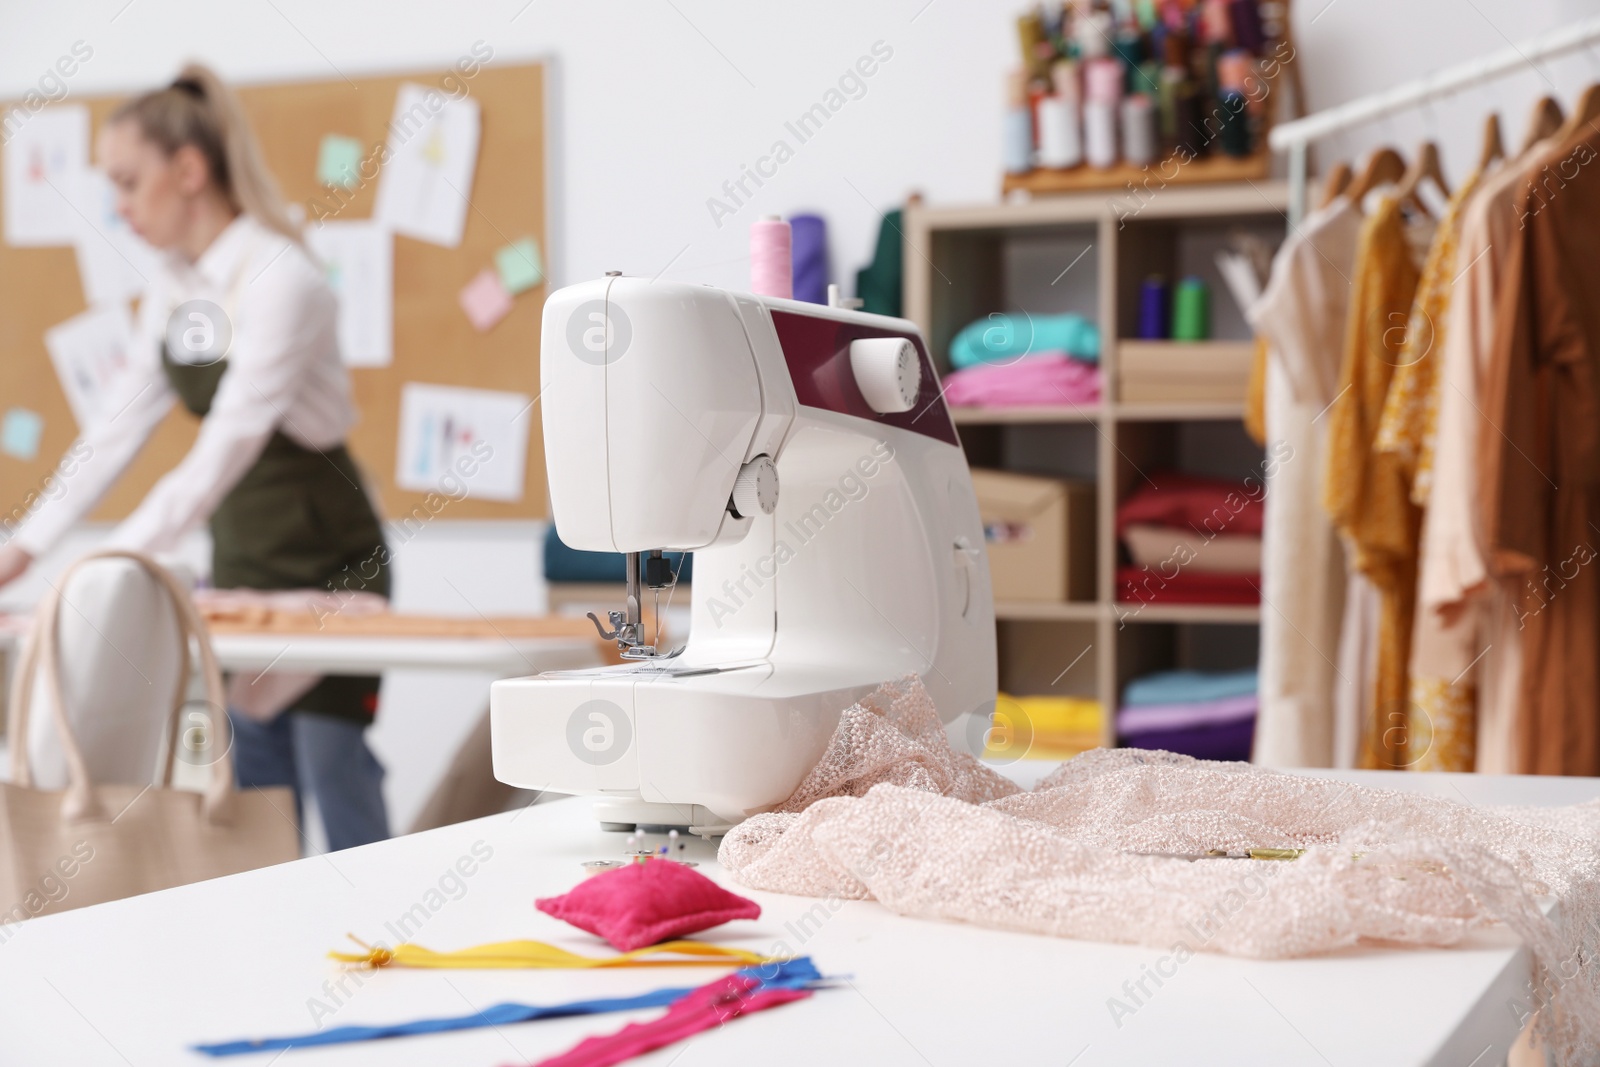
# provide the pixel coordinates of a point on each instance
(519, 265)
(485, 300)
(20, 433)
(337, 161)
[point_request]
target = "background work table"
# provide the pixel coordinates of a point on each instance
(137, 981)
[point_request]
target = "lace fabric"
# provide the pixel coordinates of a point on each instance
(893, 813)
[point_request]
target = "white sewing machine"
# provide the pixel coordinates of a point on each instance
(806, 457)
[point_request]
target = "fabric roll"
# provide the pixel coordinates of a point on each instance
(879, 285)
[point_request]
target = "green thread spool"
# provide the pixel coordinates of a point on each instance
(1191, 311)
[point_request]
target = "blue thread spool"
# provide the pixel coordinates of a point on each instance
(1153, 309)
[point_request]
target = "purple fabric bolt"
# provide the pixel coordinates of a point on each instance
(1145, 717)
(1227, 741)
(810, 253)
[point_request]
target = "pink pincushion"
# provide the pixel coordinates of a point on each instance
(647, 903)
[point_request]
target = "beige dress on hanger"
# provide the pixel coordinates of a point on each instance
(1301, 318)
(1467, 635)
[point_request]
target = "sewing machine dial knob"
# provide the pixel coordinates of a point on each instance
(888, 371)
(755, 489)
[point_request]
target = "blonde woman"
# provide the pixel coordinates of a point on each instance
(238, 326)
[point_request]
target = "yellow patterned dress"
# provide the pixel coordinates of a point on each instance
(1365, 491)
(1441, 720)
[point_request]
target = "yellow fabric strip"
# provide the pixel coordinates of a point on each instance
(542, 956)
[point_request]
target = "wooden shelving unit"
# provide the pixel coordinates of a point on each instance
(1043, 181)
(1088, 253)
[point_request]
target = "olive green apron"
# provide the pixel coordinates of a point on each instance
(298, 519)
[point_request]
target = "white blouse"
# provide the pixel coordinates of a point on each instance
(283, 372)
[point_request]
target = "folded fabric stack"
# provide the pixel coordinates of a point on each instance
(1191, 540)
(1043, 727)
(1024, 360)
(1207, 715)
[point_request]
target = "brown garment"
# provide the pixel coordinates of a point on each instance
(1542, 512)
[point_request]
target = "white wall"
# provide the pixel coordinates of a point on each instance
(656, 104)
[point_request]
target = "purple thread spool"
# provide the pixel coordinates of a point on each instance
(1153, 309)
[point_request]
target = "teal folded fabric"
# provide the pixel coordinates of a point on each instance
(1008, 336)
(1187, 687)
(879, 283)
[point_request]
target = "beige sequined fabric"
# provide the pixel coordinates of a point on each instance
(893, 813)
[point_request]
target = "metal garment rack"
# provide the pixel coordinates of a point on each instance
(1294, 137)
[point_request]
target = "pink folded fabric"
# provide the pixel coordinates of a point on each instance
(1143, 717)
(1041, 378)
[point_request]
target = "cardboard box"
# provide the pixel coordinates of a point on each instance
(1040, 535)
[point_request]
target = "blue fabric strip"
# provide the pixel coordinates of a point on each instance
(788, 974)
(1184, 687)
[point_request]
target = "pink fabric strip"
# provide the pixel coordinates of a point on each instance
(711, 1005)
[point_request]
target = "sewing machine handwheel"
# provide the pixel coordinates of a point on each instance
(755, 489)
(888, 371)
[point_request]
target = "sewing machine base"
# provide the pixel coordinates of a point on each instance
(626, 815)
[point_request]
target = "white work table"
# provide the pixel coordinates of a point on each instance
(342, 654)
(350, 654)
(136, 981)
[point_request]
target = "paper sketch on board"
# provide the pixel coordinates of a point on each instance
(42, 157)
(432, 155)
(90, 352)
(114, 264)
(358, 258)
(452, 437)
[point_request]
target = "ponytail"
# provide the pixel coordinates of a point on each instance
(198, 109)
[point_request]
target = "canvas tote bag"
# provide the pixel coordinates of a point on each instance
(88, 843)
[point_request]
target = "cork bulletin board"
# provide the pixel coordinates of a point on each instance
(434, 342)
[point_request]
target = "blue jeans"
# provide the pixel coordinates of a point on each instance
(326, 756)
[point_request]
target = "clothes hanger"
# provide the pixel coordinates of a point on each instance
(1424, 165)
(1493, 147)
(1338, 181)
(1384, 165)
(1545, 120)
(1586, 113)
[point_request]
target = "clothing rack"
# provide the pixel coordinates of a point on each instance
(1294, 137)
